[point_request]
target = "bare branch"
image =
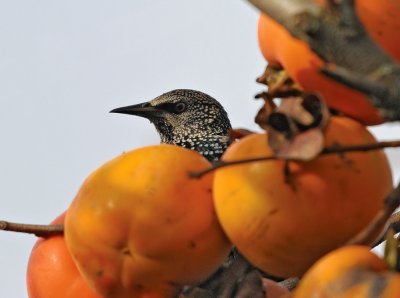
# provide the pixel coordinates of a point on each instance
(335, 149)
(355, 81)
(336, 35)
(38, 230)
(222, 164)
(280, 9)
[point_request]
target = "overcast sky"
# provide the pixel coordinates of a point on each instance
(65, 64)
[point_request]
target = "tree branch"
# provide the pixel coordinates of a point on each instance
(335, 149)
(336, 35)
(38, 230)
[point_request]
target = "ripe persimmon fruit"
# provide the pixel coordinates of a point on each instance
(382, 21)
(141, 227)
(52, 272)
(350, 271)
(284, 227)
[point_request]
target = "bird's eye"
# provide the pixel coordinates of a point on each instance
(180, 107)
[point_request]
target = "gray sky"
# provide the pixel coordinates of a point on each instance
(65, 64)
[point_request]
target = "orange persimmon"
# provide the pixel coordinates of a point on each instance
(141, 227)
(284, 224)
(382, 21)
(52, 272)
(350, 271)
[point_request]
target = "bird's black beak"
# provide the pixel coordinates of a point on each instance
(142, 110)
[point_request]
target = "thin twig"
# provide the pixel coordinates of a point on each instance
(364, 148)
(38, 230)
(222, 164)
(327, 150)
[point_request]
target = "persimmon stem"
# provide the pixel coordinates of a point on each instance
(335, 149)
(38, 230)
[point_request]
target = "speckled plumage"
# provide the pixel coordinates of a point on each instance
(187, 118)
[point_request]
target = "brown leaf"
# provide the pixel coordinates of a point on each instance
(303, 146)
(293, 108)
(279, 83)
(295, 128)
(264, 113)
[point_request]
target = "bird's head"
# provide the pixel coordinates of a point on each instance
(184, 117)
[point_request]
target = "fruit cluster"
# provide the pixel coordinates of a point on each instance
(141, 226)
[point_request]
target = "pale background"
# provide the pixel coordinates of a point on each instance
(65, 64)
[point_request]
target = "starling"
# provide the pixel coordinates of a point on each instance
(187, 118)
(194, 120)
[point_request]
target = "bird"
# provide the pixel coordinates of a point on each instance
(187, 118)
(194, 120)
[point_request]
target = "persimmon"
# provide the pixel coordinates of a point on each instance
(284, 224)
(382, 22)
(141, 227)
(52, 272)
(350, 271)
(381, 19)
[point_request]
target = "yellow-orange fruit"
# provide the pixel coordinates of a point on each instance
(348, 272)
(381, 20)
(284, 227)
(140, 227)
(51, 271)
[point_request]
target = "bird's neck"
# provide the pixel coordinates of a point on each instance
(211, 146)
(209, 141)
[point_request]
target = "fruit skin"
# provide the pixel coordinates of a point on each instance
(52, 272)
(285, 227)
(351, 271)
(382, 21)
(303, 65)
(141, 227)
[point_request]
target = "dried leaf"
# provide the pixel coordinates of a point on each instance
(296, 127)
(264, 113)
(304, 146)
(269, 71)
(293, 108)
(279, 83)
